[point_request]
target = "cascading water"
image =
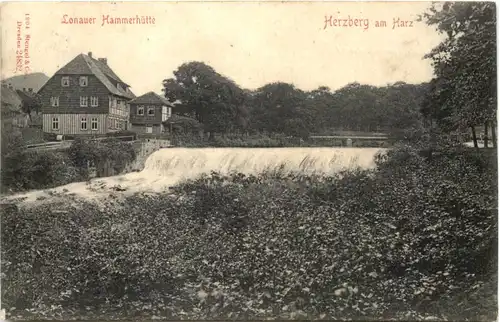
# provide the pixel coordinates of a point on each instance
(166, 167)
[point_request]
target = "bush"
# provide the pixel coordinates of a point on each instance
(110, 156)
(25, 170)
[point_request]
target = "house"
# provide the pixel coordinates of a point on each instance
(12, 108)
(148, 112)
(85, 98)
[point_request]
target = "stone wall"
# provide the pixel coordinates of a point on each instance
(144, 148)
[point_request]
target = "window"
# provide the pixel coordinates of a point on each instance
(84, 80)
(65, 81)
(54, 101)
(149, 129)
(94, 101)
(84, 101)
(55, 123)
(151, 111)
(169, 109)
(93, 124)
(116, 124)
(84, 124)
(164, 113)
(140, 110)
(119, 86)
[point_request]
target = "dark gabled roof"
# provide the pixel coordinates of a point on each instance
(86, 65)
(10, 101)
(151, 98)
(107, 70)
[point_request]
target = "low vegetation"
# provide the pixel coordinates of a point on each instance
(414, 238)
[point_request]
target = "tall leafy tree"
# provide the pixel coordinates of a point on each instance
(209, 97)
(464, 91)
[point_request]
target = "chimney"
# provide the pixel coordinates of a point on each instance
(24, 89)
(30, 90)
(10, 86)
(90, 54)
(103, 60)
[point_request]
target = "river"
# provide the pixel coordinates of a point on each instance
(169, 166)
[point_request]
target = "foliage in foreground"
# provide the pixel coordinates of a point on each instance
(410, 239)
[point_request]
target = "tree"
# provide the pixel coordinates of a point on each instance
(464, 90)
(209, 97)
(274, 104)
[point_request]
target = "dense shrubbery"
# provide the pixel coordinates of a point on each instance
(109, 156)
(410, 239)
(23, 169)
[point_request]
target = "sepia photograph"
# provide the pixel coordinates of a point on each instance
(260, 160)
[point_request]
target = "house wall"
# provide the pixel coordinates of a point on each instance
(147, 119)
(70, 124)
(141, 128)
(69, 97)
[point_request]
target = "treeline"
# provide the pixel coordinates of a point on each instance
(222, 106)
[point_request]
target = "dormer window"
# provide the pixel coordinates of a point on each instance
(140, 110)
(65, 81)
(119, 86)
(84, 80)
(151, 111)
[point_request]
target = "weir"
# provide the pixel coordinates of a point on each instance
(168, 166)
(186, 162)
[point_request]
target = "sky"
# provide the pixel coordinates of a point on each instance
(253, 43)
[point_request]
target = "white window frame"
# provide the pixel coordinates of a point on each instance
(65, 81)
(94, 101)
(151, 108)
(140, 110)
(84, 101)
(54, 101)
(55, 121)
(94, 125)
(84, 81)
(83, 124)
(149, 127)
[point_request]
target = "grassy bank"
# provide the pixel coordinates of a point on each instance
(409, 240)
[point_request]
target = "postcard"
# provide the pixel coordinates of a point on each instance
(248, 160)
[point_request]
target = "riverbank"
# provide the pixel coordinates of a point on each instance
(409, 240)
(276, 141)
